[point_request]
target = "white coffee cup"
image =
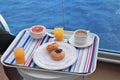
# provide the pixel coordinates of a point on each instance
(81, 36)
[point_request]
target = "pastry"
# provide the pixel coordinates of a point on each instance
(57, 54)
(52, 47)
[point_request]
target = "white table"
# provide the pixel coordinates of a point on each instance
(42, 75)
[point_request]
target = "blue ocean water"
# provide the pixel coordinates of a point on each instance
(99, 16)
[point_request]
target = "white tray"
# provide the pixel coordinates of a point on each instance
(68, 34)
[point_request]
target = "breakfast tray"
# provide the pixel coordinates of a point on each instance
(85, 64)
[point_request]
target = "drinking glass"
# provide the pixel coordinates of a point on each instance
(59, 33)
(19, 55)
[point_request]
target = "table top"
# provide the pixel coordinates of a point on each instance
(85, 64)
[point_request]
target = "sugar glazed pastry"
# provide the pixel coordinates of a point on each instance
(52, 47)
(57, 54)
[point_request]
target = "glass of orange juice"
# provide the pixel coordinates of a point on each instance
(19, 55)
(59, 33)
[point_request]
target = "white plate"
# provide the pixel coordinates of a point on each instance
(88, 43)
(43, 59)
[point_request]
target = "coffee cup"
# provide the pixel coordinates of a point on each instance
(81, 36)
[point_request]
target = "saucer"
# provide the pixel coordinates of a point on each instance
(88, 43)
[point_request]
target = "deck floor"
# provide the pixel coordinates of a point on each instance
(104, 71)
(2, 74)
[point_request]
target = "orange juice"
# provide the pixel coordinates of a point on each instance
(59, 33)
(19, 55)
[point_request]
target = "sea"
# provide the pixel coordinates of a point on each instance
(101, 17)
